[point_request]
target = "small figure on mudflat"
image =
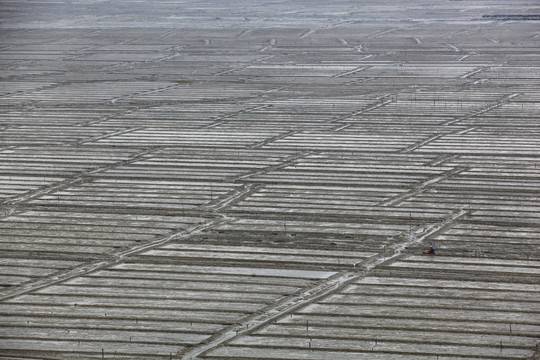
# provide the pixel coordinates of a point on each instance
(430, 251)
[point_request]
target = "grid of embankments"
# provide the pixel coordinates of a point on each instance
(261, 182)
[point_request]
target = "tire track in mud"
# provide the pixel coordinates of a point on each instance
(319, 290)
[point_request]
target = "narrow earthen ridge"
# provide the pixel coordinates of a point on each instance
(319, 290)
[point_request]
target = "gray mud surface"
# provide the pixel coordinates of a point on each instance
(259, 180)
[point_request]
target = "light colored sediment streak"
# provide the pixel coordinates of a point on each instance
(307, 33)
(474, 72)
(455, 48)
(361, 68)
(244, 33)
(341, 127)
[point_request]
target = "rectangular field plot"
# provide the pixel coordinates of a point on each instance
(25, 135)
(9, 88)
(64, 115)
(203, 92)
(313, 199)
(485, 141)
(16, 270)
(58, 160)
(422, 107)
(223, 165)
(344, 142)
(482, 236)
(188, 116)
(43, 241)
(189, 138)
(13, 186)
(405, 315)
(391, 173)
(420, 70)
(146, 194)
(142, 309)
(510, 114)
(277, 257)
(86, 92)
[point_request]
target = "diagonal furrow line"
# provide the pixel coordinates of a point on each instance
(306, 33)
(145, 92)
(243, 33)
(106, 136)
(474, 72)
(369, 107)
(442, 159)
(235, 196)
(421, 143)
(272, 139)
(353, 71)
